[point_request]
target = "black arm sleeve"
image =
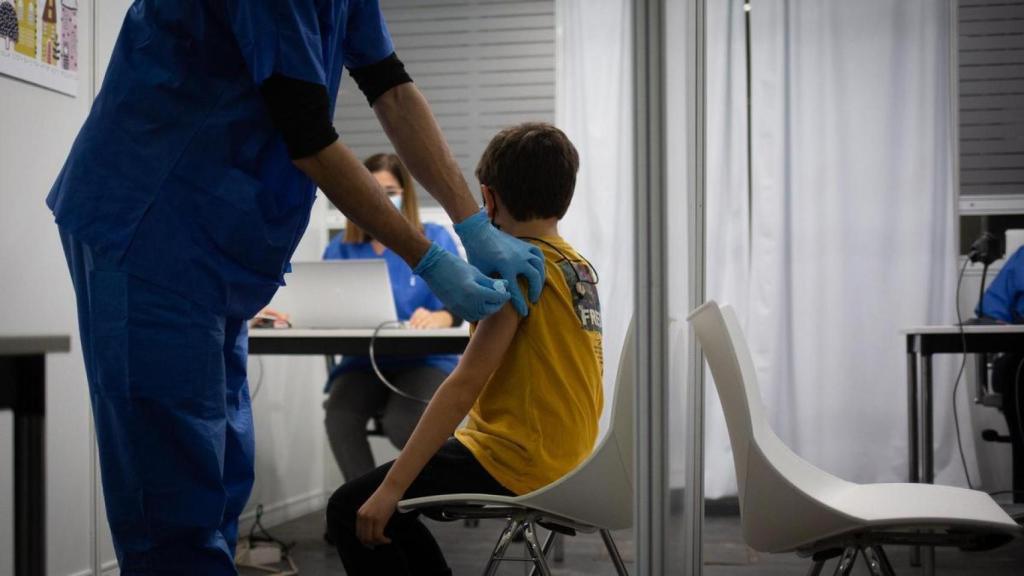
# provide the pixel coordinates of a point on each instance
(301, 111)
(376, 79)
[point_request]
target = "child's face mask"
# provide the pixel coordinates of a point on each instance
(397, 201)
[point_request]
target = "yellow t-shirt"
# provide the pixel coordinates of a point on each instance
(536, 418)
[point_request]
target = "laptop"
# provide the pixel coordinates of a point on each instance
(337, 294)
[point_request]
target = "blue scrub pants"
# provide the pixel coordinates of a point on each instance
(170, 400)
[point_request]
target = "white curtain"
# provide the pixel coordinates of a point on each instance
(850, 233)
(593, 107)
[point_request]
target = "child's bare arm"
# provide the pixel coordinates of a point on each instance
(446, 410)
(456, 395)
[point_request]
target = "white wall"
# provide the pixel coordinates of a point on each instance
(294, 469)
(39, 126)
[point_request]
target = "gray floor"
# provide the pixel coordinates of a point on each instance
(467, 549)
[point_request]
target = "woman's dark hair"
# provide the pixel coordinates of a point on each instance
(532, 168)
(410, 208)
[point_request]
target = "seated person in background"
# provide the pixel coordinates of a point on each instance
(1004, 301)
(532, 386)
(355, 393)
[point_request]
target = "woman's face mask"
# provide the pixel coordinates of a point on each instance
(392, 187)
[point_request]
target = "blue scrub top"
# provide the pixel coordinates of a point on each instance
(410, 292)
(178, 174)
(1004, 299)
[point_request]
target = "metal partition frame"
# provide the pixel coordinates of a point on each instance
(693, 513)
(651, 311)
(651, 288)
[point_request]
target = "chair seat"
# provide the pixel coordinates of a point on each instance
(464, 499)
(921, 505)
(833, 509)
(489, 506)
(916, 515)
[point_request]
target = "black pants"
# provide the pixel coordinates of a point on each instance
(413, 549)
(358, 396)
(1007, 379)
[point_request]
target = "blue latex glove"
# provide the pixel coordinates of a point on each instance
(494, 252)
(463, 289)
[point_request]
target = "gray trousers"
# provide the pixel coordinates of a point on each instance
(356, 397)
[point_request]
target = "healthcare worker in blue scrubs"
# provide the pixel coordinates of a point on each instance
(179, 206)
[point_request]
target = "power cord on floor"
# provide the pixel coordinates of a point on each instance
(258, 533)
(259, 551)
(1016, 401)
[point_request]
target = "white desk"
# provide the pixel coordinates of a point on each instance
(23, 391)
(922, 343)
(390, 341)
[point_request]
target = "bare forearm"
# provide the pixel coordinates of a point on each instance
(455, 397)
(443, 415)
(350, 187)
(406, 117)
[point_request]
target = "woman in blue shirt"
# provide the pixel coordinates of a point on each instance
(1004, 301)
(355, 393)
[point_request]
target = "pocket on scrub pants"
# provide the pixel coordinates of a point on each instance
(149, 342)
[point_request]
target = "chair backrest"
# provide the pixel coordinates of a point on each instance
(599, 492)
(776, 487)
(621, 423)
(734, 377)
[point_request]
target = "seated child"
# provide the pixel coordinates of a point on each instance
(530, 385)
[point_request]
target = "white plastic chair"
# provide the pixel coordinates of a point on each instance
(596, 495)
(788, 505)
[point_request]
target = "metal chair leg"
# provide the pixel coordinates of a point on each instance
(816, 568)
(613, 551)
(846, 562)
(873, 561)
(550, 540)
(535, 550)
(513, 527)
(559, 544)
(884, 559)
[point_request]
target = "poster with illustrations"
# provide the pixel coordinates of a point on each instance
(39, 42)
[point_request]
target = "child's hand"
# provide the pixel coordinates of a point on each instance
(374, 514)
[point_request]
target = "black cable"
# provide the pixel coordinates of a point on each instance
(981, 293)
(1001, 492)
(579, 280)
(376, 369)
(963, 363)
(259, 381)
(1016, 400)
(264, 535)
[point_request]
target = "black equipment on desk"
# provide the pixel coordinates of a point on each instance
(986, 249)
(990, 435)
